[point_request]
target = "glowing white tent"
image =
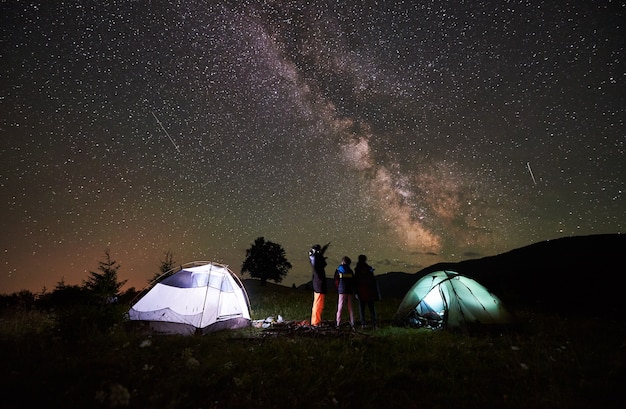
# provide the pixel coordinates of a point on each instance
(447, 299)
(197, 297)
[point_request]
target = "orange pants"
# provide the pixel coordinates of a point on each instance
(318, 307)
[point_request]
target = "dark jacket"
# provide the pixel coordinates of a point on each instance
(318, 265)
(366, 286)
(344, 279)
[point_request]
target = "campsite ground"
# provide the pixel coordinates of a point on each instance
(547, 361)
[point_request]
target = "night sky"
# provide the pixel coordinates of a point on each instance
(414, 133)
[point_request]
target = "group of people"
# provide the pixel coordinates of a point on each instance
(360, 282)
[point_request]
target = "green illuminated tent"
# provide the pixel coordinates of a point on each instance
(447, 299)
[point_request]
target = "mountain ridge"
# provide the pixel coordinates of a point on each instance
(567, 275)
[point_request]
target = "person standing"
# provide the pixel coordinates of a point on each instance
(366, 289)
(344, 281)
(318, 268)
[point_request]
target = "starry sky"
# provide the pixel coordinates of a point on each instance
(413, 132)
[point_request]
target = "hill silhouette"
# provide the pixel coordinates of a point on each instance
(570, 275)
(580, 274)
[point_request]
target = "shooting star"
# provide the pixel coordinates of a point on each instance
(531, 172)
(164, 130)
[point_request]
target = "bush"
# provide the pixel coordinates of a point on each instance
(77, 322)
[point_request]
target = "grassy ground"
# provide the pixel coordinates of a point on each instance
(546, 362)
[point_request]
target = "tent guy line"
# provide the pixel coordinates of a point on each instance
(164, 130)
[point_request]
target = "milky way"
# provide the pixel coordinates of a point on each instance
(413, 133)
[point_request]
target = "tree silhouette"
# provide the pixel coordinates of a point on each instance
(266, 260)
(104, 285)
(65, 295)
(166, 265)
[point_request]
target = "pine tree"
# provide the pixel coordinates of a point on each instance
(166, 265)
(104, 285)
